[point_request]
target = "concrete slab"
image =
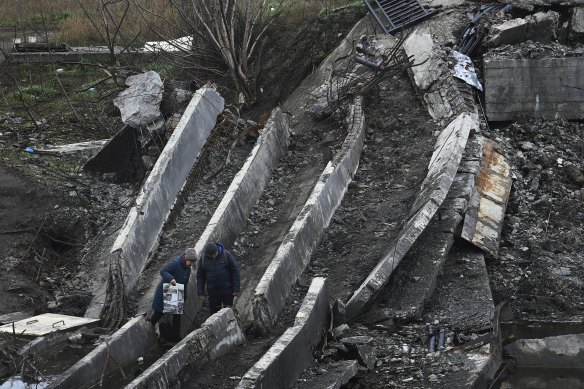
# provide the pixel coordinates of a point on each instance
(294, 253)
(560, 352)
(45, 324)
(131, 341)
(485, 216)
(541, 87)
(292, 353)
(140, 232)
(540, 27)
(217, 336)
(441, 173)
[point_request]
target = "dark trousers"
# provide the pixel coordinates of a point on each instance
(221, 301)
(174, 325)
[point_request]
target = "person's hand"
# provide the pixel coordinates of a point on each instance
(173, 282)
(235, 294)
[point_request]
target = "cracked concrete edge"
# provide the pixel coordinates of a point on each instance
(131, 341)
(303, 94)
(294, 253)
(231, 215)
(444, 95)
(285, 361)
(444, 224)
(441, 172)
(139, 235)
(219, 335)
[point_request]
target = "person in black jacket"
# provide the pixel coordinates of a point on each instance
(218, 274)
(175, 272)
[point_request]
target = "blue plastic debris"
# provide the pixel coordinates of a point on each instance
(29, 149)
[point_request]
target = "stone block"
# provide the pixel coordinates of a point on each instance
(545, 87)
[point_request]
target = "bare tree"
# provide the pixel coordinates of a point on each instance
(109, 25)
(235, 30)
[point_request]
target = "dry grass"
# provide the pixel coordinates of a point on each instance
(71, 25)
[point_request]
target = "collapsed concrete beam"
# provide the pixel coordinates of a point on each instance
(292, 353)
(231, 215)
(140, 232)
(444, 95)
(484, 219)
(442, 169)
(416, 278)
(545, 87)
(219, 335)
(134, 339)
(294, 253)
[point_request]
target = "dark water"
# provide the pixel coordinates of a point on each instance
(545, 379)
(542, 378)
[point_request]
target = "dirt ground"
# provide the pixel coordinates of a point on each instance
(53, 217)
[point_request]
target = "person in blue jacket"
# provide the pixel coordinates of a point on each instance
(175, 272)
(217, 276)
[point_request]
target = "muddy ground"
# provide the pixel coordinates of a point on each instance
(57, 220)
(53, 217)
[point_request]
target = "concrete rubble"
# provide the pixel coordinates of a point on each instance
(332, 376)
(139, 104)
(540, 27)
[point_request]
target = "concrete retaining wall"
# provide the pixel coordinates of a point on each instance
(294, 253)
(139, 235)
(216, 337)
(547, 87)
(231, 215)
(292, 353)
(125, 346)
(443, 166)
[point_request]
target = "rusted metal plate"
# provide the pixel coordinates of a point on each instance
(484, 217)
(46, 323)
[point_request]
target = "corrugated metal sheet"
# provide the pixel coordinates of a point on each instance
(485, 215)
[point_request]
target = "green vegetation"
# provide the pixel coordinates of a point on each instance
(32, 93)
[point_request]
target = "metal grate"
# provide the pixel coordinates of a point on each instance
(395, 15)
